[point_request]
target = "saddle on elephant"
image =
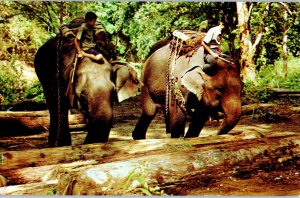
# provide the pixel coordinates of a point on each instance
(69, 31)
(190, 41)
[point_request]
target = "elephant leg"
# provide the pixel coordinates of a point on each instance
(198, 119)
(95, 136)
(167, 121)
(232, 113)
(177, 120)
(149, 111)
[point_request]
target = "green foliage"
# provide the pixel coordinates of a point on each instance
(17, 38)
(255, 92)
(34, 92)
(135, 27)
(137, 175)
(52, 191)
(12, 85)
(270, 48)
(271, 77)
(181, 146)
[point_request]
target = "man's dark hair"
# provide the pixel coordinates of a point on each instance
(90, 16)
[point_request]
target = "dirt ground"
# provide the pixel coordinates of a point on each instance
(274, 118)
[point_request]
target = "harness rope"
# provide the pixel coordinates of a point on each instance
(172, 80)
(168, 81)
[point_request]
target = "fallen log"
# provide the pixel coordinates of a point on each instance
(40, 188)
(171, 168)
(31, 122)
(251, 109)
(284, 92)
(111, 151)
(169, 161)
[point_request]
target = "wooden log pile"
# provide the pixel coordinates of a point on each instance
(142, 167)
(32, 122)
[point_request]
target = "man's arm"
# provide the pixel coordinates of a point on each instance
(209, 50)
(77, 46)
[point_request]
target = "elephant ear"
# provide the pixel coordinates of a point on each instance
(193, 80)
(126, 81)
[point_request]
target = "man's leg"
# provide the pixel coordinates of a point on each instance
(210, 61)
(93, 54)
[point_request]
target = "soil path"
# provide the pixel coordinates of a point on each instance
(275, 118)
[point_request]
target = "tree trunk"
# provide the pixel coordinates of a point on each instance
(284, 46)
(246, 62)
(247, 47)
(113, 169)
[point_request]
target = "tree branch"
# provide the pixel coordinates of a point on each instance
(32, 12)
(250, 11)
(286, 7)
(261, 26)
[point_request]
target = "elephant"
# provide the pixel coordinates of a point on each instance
(95, 87)
(221, 88)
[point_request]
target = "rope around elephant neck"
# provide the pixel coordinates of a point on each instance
(168, 79)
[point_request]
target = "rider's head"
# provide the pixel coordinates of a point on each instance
(90, 19)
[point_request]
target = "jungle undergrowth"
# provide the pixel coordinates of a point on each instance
(137, 182)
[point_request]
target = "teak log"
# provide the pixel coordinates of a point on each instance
(171, 168)
(31, 122)
(110, 150)
(162, 162)
(40, 188)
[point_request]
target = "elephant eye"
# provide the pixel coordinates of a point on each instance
(220, 90)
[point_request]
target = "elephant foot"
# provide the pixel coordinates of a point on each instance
(96, 138)
(139, 137)
(191, 135)
(139, 134)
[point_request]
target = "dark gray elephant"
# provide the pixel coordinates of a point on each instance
(221, 91)
(96, 86)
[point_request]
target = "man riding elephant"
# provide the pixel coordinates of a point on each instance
(211, 43)
(85, 42)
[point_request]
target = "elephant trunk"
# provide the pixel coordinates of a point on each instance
(232, 108)
(99, 123)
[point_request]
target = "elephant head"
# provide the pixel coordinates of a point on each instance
(126, 80)
(222, 91)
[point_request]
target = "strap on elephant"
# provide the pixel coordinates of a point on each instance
(172, 85)
(70, 88)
